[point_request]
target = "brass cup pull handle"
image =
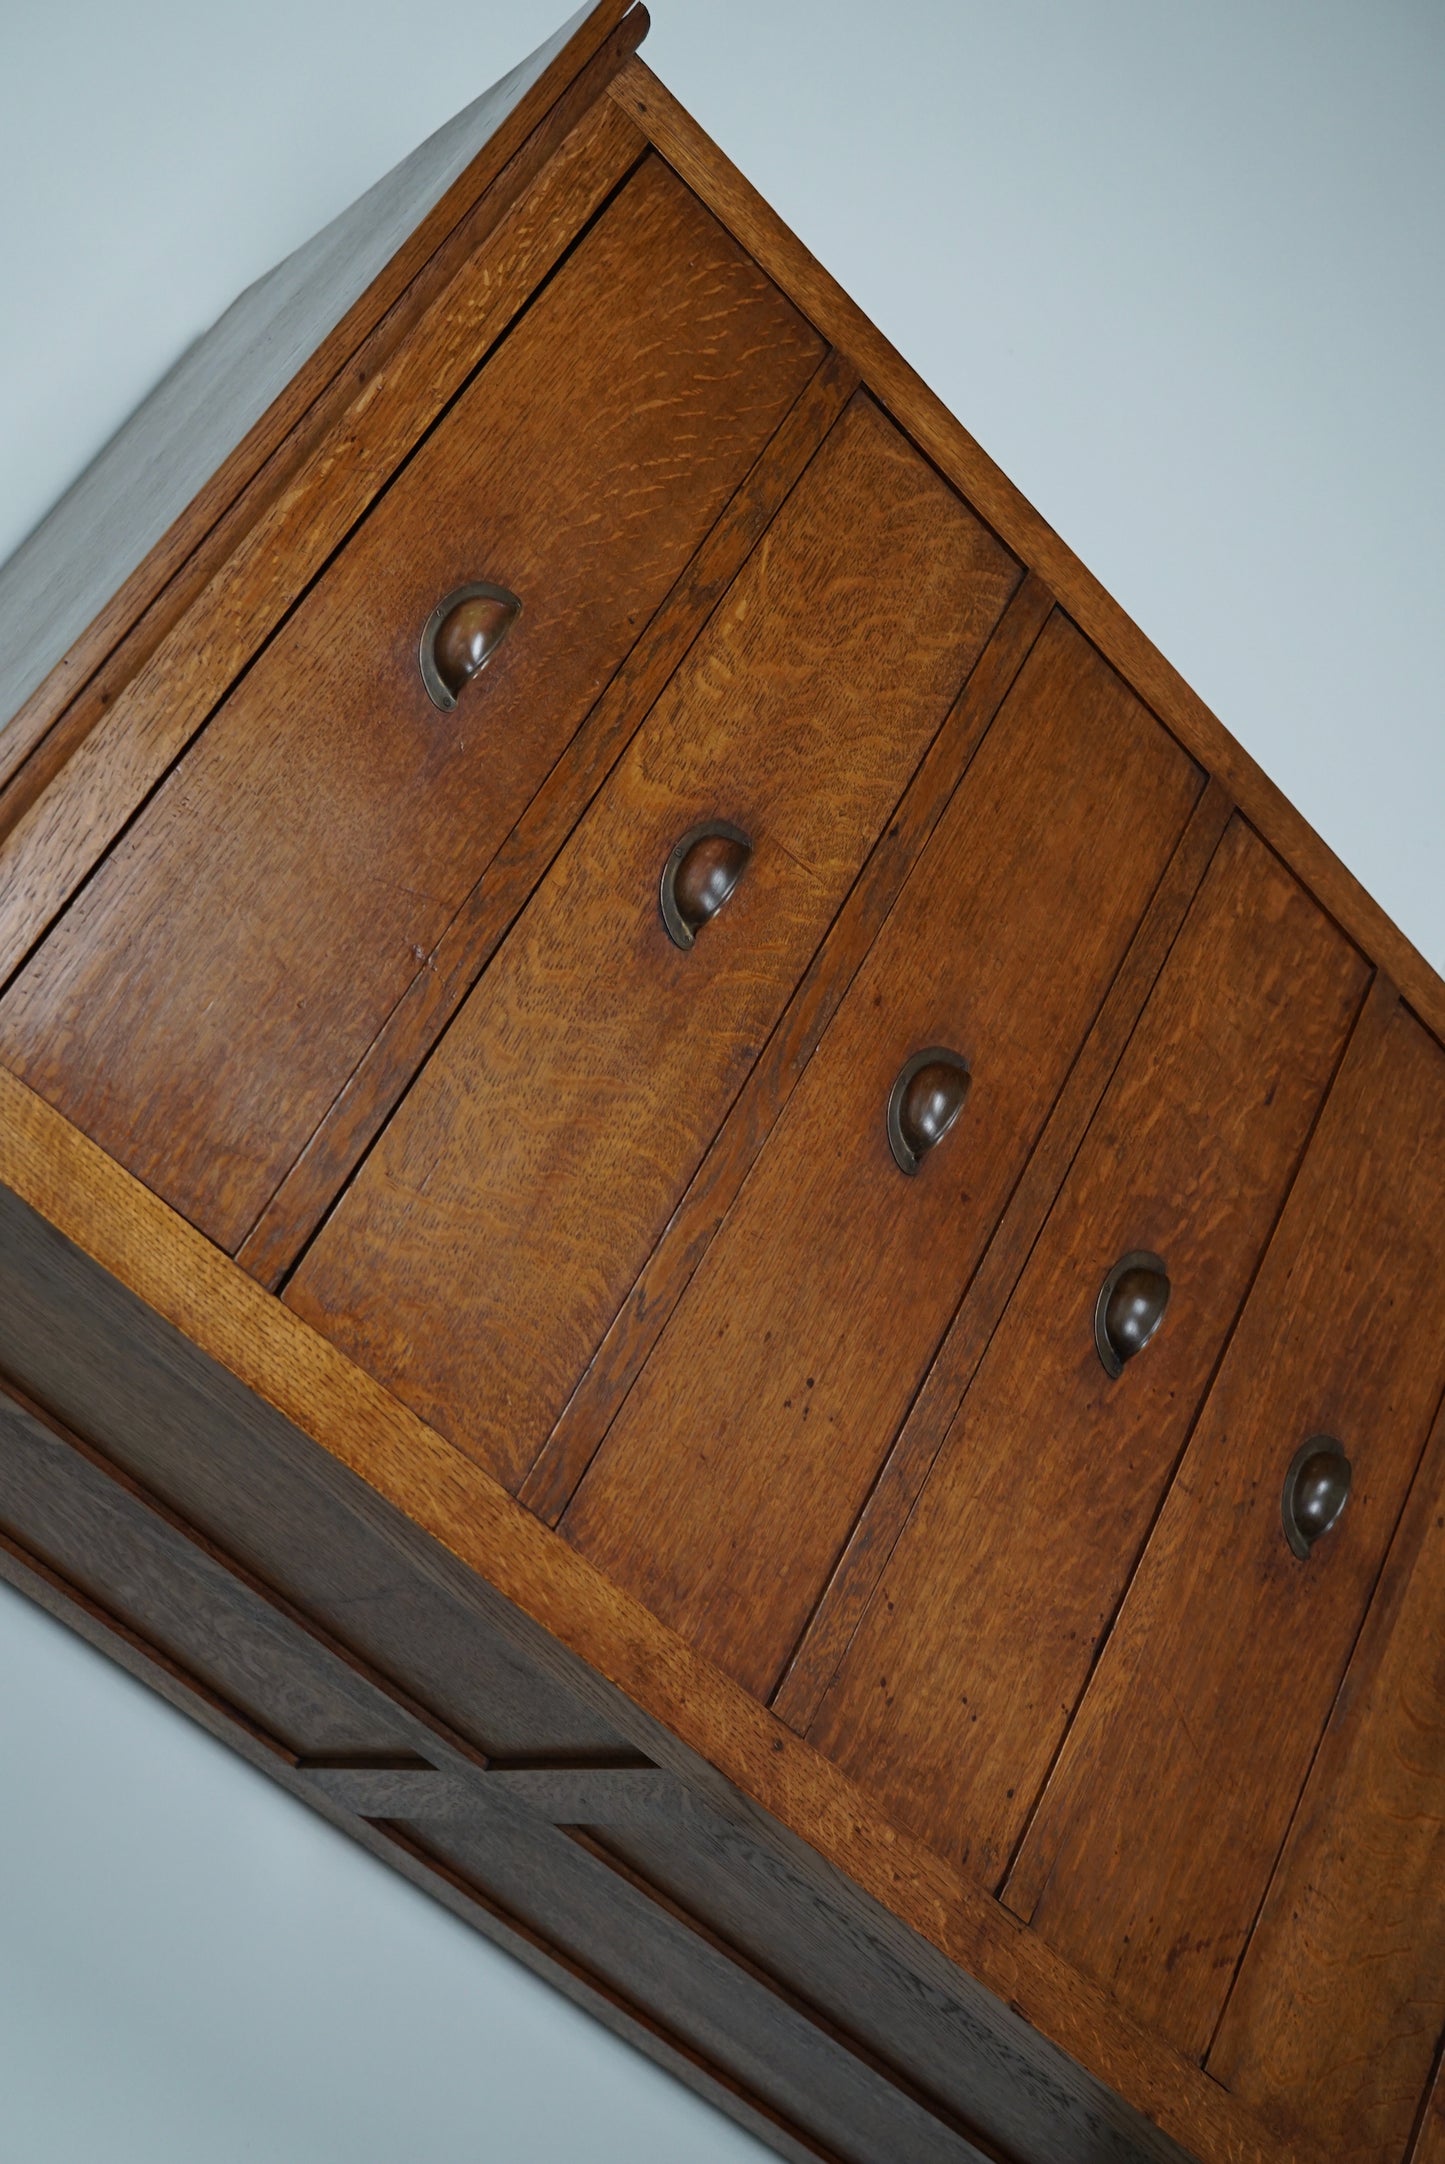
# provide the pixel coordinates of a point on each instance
(700, 875)
(1130, 1308)
(1316, 1490)
(930, 1091)
(461, 635)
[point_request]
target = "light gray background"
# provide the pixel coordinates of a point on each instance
(1178, 268)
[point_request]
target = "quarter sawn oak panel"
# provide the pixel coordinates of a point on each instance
(1336, 2016)
(614, 1925)
(204, 1001)
(415, 1025)
(1157, 1833)
(496, 1229)
(966, 1668)
(623, 1353)
(734, 1470)
(912, 1456)
(1430, 2141)
(116, 743)
(78, 1519)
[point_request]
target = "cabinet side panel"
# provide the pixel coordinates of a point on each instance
(654, 1955)
(91, 1530)
(100, 1361)
(756, 1903)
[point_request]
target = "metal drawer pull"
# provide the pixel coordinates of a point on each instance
(930, 1092)
(1130, 1308)
(462, 634)
(1316, 1490)
(699, 876)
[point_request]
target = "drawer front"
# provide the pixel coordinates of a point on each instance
(1430, 2142)
(201, 1005)
(733, 1472)
(1335, 2019)
(496, 1229)
(1156, 1835)
(959, 1684)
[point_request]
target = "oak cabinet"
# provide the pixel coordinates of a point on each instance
(1343, 1335)
(580, 1084)
(239, 950)
(1358, 1885)
(709, 1218)
(964, 1675)
(739, 1461)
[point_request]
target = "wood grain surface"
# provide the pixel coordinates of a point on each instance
(77, 1517)
(610, 1920)
(494, 1232)
(1156, 1836)
(734, 1471)
(971, 1657)
(711, 1872)
(583, 1795)
(904, 394)
(528, 114)
(830, 1628)
(411, 1030)
(1188, 1800)
(140, 1569)
(635, 1329)
(1335, 2019)
(148, 712)
(1429, 2145)
(210, 1390)
(203, 1003)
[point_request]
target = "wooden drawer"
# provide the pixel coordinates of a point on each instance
(733, 1472)
(1156, 1835)
(964, 1672)
(1429, 2145)
(203, 1002)
(1335, 2018)
(494, 1232)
